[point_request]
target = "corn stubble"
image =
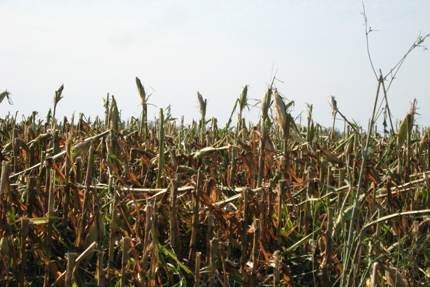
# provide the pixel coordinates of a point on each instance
(160, 204)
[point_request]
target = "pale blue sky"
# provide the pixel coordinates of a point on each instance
(178, 48)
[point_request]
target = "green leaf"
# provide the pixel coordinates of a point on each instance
(167, 252)
(11, 217)
(300, 242)
(346, 215)
(237, 278)
(114, 157)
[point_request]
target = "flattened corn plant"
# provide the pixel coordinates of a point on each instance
(110, 202)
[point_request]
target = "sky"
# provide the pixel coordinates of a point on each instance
(315, 48)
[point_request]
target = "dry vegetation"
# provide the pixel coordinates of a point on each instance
(109, 202)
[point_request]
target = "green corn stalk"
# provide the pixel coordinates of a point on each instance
(57, 97)
(202, 107)
(310, 131)
(113, 227)
(243, 103)
(335, 111)
(333, 105)
(114, 115)
(215, 129)
(351, 237)
(4, 185)
(106, 106)
(144, 101)
(231, 116)
(181, 134)
(49, 116)
(265, 123)
(404, 137)
(283, 119)
(160, 149)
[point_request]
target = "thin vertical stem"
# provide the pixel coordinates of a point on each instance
(277, 259)
(125, 249)
(357, 195)
(212, 256)
(49, 230)
(174, 194)
(70, 265)
(24, 232)
(195, 222)
(160, 149)
(197, 270)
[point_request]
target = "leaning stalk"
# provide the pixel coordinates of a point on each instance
(357, 196)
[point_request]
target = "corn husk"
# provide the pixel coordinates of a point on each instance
(280, 110)
(141, 90)
(207, 151)
(309, 114)
(58, 95)
(406, 125)
(80, 149)
(403, 131)
(114, 114)
(349, 145)
(202, 105)
(105, 102)
(423, 140)
(243, 101)
(412, 113)
(265, 104)
(282, 118)
(333, 105)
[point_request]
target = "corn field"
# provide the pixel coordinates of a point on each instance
(136, 203)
